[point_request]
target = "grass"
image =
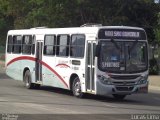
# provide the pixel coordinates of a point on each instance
(2, 53)
(2, 57)
(2, 49)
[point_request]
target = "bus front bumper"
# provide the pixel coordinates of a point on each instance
(105, 90)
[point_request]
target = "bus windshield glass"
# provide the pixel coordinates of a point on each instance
(123, 56)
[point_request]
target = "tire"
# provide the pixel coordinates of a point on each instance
(119, 97)
(76, 88)
(37, 86)
(28, 80)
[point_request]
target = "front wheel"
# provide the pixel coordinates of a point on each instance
(76, 88)
(119, 97)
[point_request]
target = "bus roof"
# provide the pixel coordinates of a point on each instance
(70, 30)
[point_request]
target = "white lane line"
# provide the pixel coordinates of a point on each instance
(110, 106)
(156, 98)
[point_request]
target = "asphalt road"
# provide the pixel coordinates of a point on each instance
(49, 102)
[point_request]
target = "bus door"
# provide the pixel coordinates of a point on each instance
(90, 79)
(38, 65)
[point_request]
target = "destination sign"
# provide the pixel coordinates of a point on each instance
(121, 34)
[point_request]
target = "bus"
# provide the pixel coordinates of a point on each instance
(100, 60)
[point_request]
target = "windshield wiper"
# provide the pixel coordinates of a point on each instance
(113, 41)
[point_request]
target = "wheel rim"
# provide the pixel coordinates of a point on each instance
(27, 81)
(77, 88)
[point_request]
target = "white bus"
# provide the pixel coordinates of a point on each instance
(100, 60)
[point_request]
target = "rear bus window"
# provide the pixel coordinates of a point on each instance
(10, 44)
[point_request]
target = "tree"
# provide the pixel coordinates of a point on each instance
(6, 22)
(20, 14)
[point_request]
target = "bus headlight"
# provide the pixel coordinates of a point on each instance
(104, 79)
(143, 79)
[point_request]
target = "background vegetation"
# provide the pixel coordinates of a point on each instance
(22, 14)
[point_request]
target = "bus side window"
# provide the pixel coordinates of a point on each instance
(17, 41)
(77, 45)
(10, 44)
(27, 44)
(62, 48)
(33, 44)
(49, 45)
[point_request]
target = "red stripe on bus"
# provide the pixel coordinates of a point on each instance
(43, 63)
(63, 65)
(21, 58)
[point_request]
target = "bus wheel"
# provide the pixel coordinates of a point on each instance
(37, 86)
(76, 88)
(119, 97)
(27, 80)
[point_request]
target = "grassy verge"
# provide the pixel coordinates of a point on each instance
(2, 53)
(1, 64)
(2, 57)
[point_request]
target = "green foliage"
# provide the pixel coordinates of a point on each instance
(157, 30)
(154, 68)
(21, 14)
(2, 51)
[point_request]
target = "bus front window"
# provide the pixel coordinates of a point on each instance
(122, 57)
(111, 56)
(136, 56)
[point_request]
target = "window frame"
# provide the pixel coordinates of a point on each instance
(9, 44)
(16, 45)
(78, 45)
(54, 45)
(31, 45)
(58, 45)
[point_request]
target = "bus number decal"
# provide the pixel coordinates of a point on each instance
(110, 64)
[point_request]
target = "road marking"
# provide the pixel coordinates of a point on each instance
(156, 98)
(3, 99)
(110, 106)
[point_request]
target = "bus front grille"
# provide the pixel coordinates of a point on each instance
(122, 83)
(127, 88)
(126, 77)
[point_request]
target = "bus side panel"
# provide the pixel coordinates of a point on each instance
(13, 67)
(16, 65)
(51, 76)
(66, 67)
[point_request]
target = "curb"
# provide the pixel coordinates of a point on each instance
(151, 87)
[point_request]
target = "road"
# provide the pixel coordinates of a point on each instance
(16, 99)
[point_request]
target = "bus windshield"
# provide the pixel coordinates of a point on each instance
(123, 57)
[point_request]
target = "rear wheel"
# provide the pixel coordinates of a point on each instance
(119, 97)
(28, 80)
(76, 88)
(37, 86)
